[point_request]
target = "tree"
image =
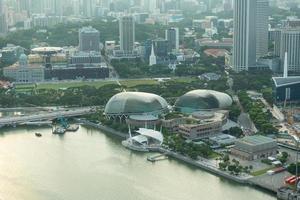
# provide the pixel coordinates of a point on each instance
(236, 132)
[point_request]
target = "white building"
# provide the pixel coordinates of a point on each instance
(152, 59)
(21, 72)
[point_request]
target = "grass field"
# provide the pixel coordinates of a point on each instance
(132, 83)
(262, 171)
(97, 84)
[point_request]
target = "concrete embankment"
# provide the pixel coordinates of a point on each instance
(204, 165)
(246, 179)
(103, 128)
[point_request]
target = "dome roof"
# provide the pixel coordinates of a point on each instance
(135, 103)
(202, 100)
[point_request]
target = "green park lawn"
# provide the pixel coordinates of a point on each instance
(97, 84)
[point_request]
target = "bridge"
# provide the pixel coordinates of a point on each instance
(47, 116)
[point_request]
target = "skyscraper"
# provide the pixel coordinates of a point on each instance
(290, 43)
(244, 46)
(89, 39)
(262, 26)
(3, 21)
(127, 34)
(172, 36)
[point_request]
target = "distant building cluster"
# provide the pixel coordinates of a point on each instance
(56, 63)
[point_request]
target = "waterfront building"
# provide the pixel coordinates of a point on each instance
(203, 125)
(254, 147)
(22, 72)
(202, 100)
(244, 48)
(127, 34)
(172, 36)
(290, 43)
(262, 24)
(124, 104)
(89, 39)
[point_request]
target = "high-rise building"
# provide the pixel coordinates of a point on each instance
(127, 34)
(227, 5)
(290, 43)
(275, 37)
(89, 39)
(89, 8)
(172, 36)
(25, 5)
(262, 26)
(3, 20)
(244, 47)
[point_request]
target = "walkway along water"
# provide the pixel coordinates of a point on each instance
(202, 163)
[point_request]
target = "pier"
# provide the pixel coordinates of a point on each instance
(158, 157)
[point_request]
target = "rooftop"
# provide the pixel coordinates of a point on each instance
(284, 81)
(256, 140)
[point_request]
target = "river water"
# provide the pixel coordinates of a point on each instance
(89, 165)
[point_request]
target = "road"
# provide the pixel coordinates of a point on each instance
(244, 119)
(45, 116)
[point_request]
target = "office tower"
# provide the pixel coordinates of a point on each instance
(161, 47)
(172, 36)
(127, 34)
(3, 20)
(227, 5)
(244, 45)
(276, 39)
(25, 5)
(58, 7)
(290, 43)
(262, 26)
(89, 39)
(88, 8)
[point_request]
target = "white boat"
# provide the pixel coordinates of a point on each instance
(73, 128)
(59, 130)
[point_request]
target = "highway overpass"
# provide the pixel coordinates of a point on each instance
(51, 115)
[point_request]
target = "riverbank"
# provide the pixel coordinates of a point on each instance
(202, 163)
(103, 128)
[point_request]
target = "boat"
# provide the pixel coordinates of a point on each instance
(38, 134)
(73, 128)
(59, 130)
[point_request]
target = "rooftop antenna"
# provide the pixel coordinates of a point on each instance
(285, 68)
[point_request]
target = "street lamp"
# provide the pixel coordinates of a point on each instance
(296, 138)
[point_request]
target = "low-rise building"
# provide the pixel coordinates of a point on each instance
(222, 140)
(254, 147)
(21, 72)
(203, 126)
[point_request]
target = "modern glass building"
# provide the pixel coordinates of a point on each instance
(125, 104)
(202, 100)
(286, 89)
